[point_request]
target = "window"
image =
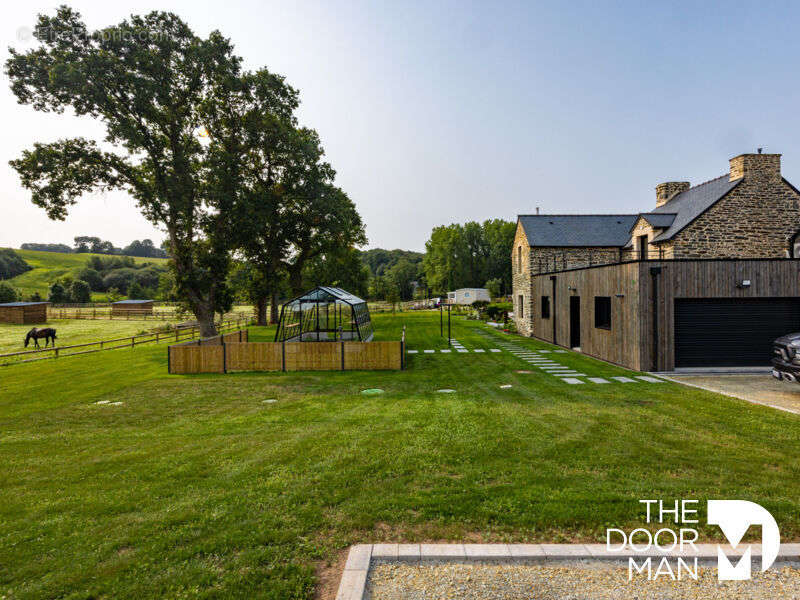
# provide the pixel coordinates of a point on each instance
(520, 305)
(519, 259)
(466, 294)
(602, 312)
(545, 307)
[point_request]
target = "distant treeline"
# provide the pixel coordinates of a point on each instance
(95, 245)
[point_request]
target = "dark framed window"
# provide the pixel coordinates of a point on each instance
(521, 305)
(545, 307)
(602, 312)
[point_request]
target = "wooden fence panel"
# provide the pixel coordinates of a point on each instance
(313, 356)
(254, 356)
(197, 359)
(372, 356)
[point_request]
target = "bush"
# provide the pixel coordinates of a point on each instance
(495, 311)
(58, 295)
(113, 295)
(7, 293)
(136, 291)
(493, 286)
(11, 264)
(120, 279)
(93, 278)
(80, 292)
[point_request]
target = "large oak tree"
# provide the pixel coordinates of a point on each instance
(155, 86)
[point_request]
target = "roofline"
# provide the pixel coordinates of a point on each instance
(667, 261)
(582, 215)
(697, 216)
(642, 216)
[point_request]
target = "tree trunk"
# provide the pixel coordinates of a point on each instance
(273, 308)
(205, 319)
(261, 310)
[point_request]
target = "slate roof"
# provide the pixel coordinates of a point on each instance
(658, 220)
(577, 230)
(614, 230)
(131, 301)
(689, 205)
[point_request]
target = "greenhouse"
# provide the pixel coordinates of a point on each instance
(325, 314)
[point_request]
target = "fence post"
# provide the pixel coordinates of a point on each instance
(341, 349)
(283, 356)
(224, 356)
(56, 352)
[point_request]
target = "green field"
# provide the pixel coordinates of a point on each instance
(74, 331)
(49, 266)
(195, 487)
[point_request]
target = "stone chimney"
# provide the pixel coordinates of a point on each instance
(756, 166)
(667, 191)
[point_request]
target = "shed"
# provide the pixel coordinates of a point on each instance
(325, 314)
(22, 313)
(130, 308)
(468, 296)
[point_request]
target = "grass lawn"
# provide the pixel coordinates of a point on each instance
(49, 266)
(195, 487)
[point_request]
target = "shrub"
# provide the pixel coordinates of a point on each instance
(493, 287)
(58, 295)
(11, 264)
(136, 291)
(495, 311)
(7, 293)
(120, 279)
(113, 295)
(80, 292)
(93, 278)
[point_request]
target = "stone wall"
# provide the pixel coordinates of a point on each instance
(757, 219)
(521, 281)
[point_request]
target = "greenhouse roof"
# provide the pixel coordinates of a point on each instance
(329, 294)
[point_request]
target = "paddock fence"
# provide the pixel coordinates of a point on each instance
(190, 333)
(105, 313)
(233, 352)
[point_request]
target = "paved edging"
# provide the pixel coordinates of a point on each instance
(354, 578)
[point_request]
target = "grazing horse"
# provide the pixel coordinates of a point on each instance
(48, 333)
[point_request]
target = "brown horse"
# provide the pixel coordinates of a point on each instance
(48, 333)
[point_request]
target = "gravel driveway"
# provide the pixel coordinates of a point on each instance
(584, 581)
(759, 388)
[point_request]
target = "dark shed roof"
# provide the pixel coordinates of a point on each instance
(577, 230)
(23, 303)
(689, 205)
(131, 301)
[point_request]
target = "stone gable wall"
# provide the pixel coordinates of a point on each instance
(757, 219)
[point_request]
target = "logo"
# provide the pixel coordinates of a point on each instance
(676, 548)
(734, 517)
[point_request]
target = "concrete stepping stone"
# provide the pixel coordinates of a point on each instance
(505, 387)
(560, 351)
(270, 401)
(412, 352)
(429, 351)
(598, 380)
(103, 402)
(572, 380)
(545, 351)
(495, 350)
(446, 391)
(479, 350)
(117, 403)
(524, 372)
(461, 350)
(650, 379)
(445, 351)
(624, 379)
(372, 391)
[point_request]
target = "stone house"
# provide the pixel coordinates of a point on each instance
(738, 223)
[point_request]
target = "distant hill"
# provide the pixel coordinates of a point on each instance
(48, 266)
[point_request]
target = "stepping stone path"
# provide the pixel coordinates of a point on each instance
(457, 346)
(505, 387)
(372, 391)
(446, 391)
(270, 401)
(550, 366)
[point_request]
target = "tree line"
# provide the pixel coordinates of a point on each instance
(84, 243)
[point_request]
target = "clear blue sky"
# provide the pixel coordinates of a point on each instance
(435, 112)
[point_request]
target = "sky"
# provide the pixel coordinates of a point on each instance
(440, 112)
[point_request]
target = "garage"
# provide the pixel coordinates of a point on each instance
(731, 332)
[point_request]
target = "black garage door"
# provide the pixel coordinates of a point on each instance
(731, 332)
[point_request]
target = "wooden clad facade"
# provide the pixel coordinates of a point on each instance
(642, 298)
(22, 313)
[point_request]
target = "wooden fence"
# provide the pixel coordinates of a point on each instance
(105, 313)
(176, 335)
(227, 353)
